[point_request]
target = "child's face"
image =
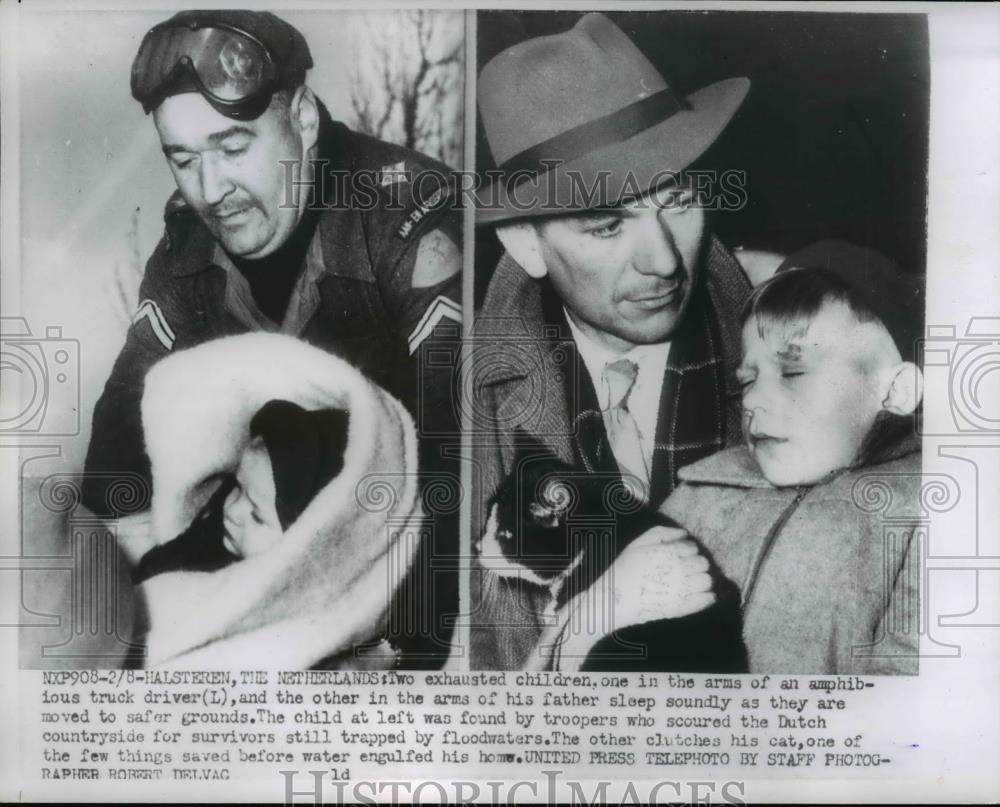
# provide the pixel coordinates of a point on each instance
(811, 394)
(251, 521)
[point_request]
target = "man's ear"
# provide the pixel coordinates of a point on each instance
(521, 241)
(906, 389)
(304, 110)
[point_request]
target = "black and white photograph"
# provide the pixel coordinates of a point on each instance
(224, 220)
(705, 242)
(575, 403)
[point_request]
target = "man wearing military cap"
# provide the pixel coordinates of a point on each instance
(609, 336)
(261, 235)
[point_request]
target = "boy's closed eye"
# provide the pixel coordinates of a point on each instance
(745, 376)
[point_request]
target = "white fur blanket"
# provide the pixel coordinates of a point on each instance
(327, 584)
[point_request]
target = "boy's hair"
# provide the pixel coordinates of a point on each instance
(873, 285)
(788, 302)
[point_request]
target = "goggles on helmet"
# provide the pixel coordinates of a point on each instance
(231, 69)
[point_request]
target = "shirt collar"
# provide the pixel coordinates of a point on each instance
(303, 302)
(595, 355)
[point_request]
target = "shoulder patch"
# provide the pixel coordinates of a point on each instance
(438, 258)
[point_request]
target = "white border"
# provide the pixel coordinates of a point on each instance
(959, 705)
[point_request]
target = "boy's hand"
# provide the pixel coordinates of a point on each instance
(660, 575)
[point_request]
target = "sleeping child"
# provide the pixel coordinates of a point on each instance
(816, 518)
(814, 521)
(293, 453)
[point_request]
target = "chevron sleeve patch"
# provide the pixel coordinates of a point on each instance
(442, 307)
(151, 311)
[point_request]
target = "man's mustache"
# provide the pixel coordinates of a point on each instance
(229, 208)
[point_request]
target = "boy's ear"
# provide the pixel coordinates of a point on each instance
(521, 241)
(906, 389)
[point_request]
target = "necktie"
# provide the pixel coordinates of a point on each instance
(623, 432)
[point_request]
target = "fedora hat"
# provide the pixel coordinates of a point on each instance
(582, 119)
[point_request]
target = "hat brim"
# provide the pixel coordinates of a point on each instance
(609, 174)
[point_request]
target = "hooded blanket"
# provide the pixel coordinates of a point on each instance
(327, 584)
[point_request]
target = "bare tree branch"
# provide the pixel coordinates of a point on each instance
(405, 87)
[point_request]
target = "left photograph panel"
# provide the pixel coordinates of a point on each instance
(230, 334)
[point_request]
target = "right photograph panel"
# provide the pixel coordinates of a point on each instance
(699, 287)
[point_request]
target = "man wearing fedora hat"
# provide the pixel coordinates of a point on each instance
(609, 335)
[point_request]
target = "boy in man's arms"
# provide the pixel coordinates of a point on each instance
(795, 517)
